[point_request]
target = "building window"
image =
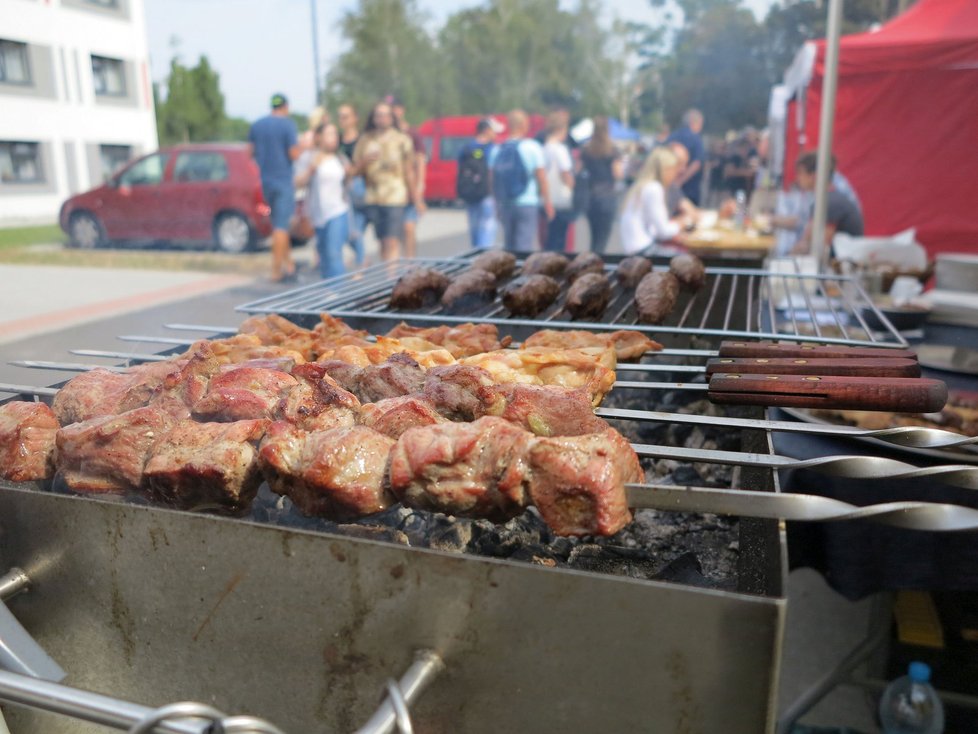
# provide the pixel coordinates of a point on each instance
(14, 67)
(200, 166)
(20, 163)
(109, 76)
(113, 158)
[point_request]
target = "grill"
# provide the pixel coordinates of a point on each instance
(154, 605)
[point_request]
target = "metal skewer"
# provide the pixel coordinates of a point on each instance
(128, 356)
(38, 364)
(15, 389)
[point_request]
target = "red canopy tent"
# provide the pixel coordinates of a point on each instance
(906, 125)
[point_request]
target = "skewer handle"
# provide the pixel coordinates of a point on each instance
(852, 367)
(821, 351)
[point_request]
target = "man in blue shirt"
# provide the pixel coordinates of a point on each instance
(274, 145)
(691, 179)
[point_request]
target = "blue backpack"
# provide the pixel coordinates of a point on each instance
(509, 174)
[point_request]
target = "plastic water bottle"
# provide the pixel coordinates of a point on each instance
(740, 217)
(910, 705)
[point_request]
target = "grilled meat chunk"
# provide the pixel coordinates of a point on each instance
(394, 416)
(181, 390)
(627, 344)
(528, 295)
(689, 271)
(275, 330)
(588, 296)
(463, 340)
(585, 262)
(545, 263)
(249, 348)
(106, 392)
(399, 375)
(244, 393)
(549, 411)
(419, 288)
(420, 350)
(466, 469)
(317, 402)
(656, 296)
(338, 474)
(206, 466)
(27, 441)
(345, 375)
(632, 269)
(578, 482)
(461, 392)
(471, 289)
(108, 453)
(498, 262)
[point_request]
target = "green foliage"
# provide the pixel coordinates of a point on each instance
(193, 110)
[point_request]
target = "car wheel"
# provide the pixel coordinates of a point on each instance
(232, 233)
(85, 231)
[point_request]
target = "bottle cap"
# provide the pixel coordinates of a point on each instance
(919, 672)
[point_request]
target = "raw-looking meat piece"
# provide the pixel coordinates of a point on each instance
(338, 474)
(466, 469)
(206, 466)
(275, 330)
(586, 262)
(546, 410)
(394, 416)
(689, 271)
(462, 340)
(27, 441)
(631, 270)
(656, 296)
(461, 392)
(588, 296)
(243, 394)
(498, 262)
(419, 288)
(529, 295)
(627, 344)
(578, 482)
(399, 375)
(317, 402)
(107, 392)
(545, 263)
(108, 453)
(471, 289)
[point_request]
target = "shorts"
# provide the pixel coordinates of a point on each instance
(410, 213)
(280, 196)
(388, 221)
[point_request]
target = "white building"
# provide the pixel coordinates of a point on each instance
(76, 100)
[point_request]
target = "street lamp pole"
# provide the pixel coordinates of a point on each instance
(315, 53)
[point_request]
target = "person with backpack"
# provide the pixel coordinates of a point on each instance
(474, 183)
(520, 185)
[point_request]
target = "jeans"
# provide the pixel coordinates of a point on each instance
(556, 240)
(280, 197)
(357, 226)
(519, 227)
(330, 239)
(482, 223)
(600, 218)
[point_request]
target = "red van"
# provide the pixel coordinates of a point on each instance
(444, 138)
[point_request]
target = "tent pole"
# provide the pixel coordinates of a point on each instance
(825, 130)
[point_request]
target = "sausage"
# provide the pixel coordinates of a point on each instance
(528, 295)
(586, 262)
(545, 263)
(689, 270)
(656, 296)
(499, 263)
(589, 295)
(471, 289)
(632, 269)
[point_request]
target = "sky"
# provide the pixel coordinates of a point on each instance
(260, 47)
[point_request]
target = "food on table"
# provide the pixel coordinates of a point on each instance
(588, 296)
(632, 269)
(462, 340)
(419, 288)
(627, 344)
(959, 415)
(471, 289)
(27, 441)
(689, 270)
(585, 262)
(545, 263)
(499, 263)
(394, 416)
(656, 296)
(529, 295)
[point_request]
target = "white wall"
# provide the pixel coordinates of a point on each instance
(74, 116)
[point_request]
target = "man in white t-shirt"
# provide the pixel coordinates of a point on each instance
(559, 168)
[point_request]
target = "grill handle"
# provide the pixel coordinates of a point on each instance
(19, 652)
(821, 351)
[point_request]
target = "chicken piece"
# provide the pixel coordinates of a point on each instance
(419, 288)
(470, 290)
(27, 441)
(377, 352)
(462, 340)
(466, 469)
(590, 368)
(107, 454)
(317, 402)
(339, 474)
(632, 269)
(399, 375)
(529, 295)
(689, 271)
(588, 296)
(545, 263)
(462, 392)
(248, 347)
(578, 482)
(394, 416)
(546, 410)
(331, 327)
(627, 344)
(274, 330)
(243, 394)
(498, 262)
(106, 392)
(655, 297)
(206, 466)
(585, 262)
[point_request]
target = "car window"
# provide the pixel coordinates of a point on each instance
(200, 166)
(449, 148)
(147, 172)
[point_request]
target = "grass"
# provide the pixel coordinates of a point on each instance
(26, 236)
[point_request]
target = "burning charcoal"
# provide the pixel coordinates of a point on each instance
(686, 569)
(454, 537)
(369, 532)
(686, 475)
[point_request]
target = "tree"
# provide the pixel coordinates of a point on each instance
(193, 110)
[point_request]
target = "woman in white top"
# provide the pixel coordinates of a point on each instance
(324, 169)
(645, 217)
(559, 168)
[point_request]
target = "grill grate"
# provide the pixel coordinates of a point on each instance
(734, 302)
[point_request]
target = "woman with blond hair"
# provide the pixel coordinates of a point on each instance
(645, 217)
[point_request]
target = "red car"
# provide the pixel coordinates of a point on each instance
(200, 192)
